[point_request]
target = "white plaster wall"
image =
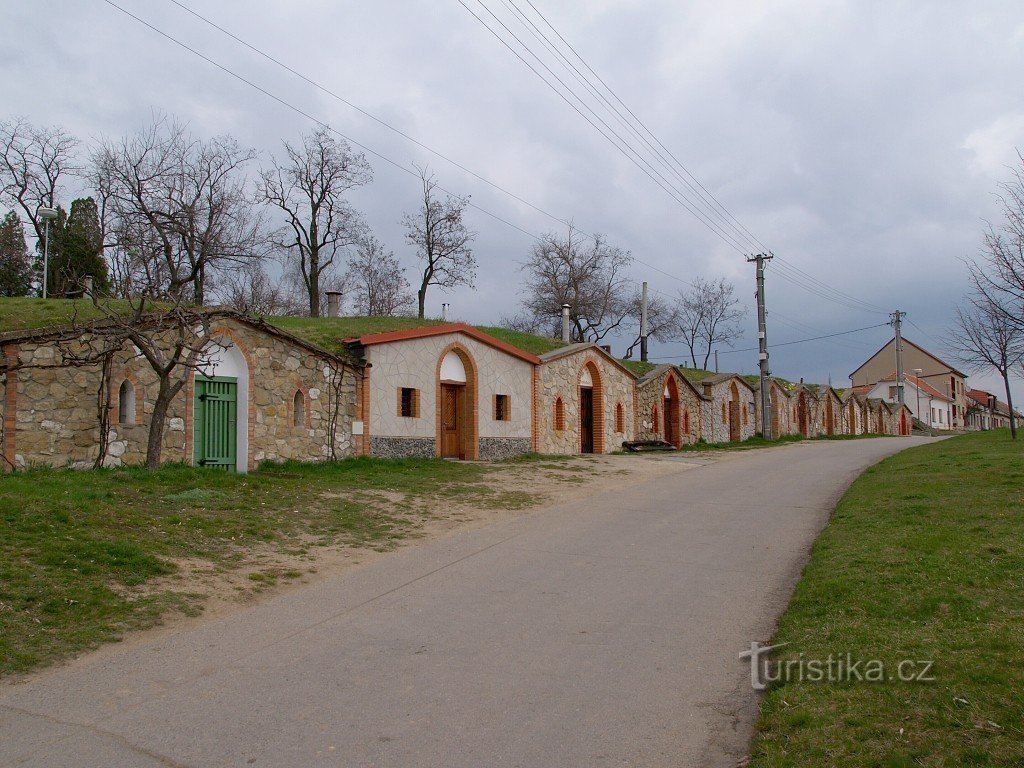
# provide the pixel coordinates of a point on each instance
(413, 363)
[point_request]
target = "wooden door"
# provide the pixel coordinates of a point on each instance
(801, 414)
(829, 418)
(216, 423)
(586, 420)
(452, 443)
(672, 421)
(734, 421)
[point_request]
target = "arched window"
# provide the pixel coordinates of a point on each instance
(126, 403)
(655, 427)
(298, 409)
(620, 418)
(559, 414)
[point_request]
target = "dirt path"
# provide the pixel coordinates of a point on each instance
(517, 489)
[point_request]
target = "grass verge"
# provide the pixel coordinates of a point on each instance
(78, 550)
(923, 560)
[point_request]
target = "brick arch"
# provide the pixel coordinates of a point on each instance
(672, 407)
(598, 386)
(471, 430)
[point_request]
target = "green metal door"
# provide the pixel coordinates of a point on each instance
(216, 421)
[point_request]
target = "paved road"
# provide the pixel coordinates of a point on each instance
(596, 633)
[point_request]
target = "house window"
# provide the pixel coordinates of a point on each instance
(892, 393)
(298, 409)
(126, 403)
(408, 402)
(501, 408)
(620, 418)
(559, 414)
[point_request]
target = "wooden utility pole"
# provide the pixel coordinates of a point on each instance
(762, 343)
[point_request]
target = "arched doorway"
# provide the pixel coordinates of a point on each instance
(904, 429)
(852, 416)
(776, 411)
(591, 409)
(220, 408)
(830, 417)
(456, 405)
(671, 412)
(734, 413)
(801, 413)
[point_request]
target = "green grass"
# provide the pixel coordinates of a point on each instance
(527, 342)
(77, 549)
(25, 313)
(923, 560)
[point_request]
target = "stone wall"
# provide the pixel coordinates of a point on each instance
(650, 394)
(559, 378)
(716, 423)
(57, 405)
(403, 447)
(496, 448)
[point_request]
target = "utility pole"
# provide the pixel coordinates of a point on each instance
(643, 324)
(897, 323)
(762, 343)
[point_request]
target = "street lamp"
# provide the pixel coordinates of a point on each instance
(917, 386)
(47, 215)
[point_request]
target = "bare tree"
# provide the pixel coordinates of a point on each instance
(988, 337)
(662, 321)
(708, 314)
(309, 187)
(1000, 275)
(252, 291)
(176, 208)
(34, 162)
(442, 239)
(377, 282)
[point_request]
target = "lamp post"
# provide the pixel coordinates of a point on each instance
(917, 386)
(47, 215)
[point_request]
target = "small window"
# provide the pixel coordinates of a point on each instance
(126, 403)
(298, 409)
(501, 408)
(892, 393)
(620, 418)
(725, 417)
(559, 414)
(686, 420)
(408, 402)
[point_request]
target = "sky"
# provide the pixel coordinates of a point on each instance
(860, 142)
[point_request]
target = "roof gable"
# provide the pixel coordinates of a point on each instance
(572, 349)
(411, 334)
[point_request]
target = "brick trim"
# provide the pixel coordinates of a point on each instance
(10, 406)
(363, 408)
(471, 430)
(599, 414)
(441, 330)
(535, 409)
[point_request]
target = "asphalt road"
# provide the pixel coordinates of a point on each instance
(597, 633)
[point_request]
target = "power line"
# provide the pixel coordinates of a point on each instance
(790, 343)
(326, 126)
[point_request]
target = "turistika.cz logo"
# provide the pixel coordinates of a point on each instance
(835, 668)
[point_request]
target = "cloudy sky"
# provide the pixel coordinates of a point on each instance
(861, 142)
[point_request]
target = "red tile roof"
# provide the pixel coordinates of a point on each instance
(921, 384)
(440, 330)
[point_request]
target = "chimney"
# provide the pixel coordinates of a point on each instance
(87, 285)
(444, 313)
(333, 303)
(565, 323)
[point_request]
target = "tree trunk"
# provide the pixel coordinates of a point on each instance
(199, 286)
(154, 444)
(314, 284)
(422, 295)
(1009, 403)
